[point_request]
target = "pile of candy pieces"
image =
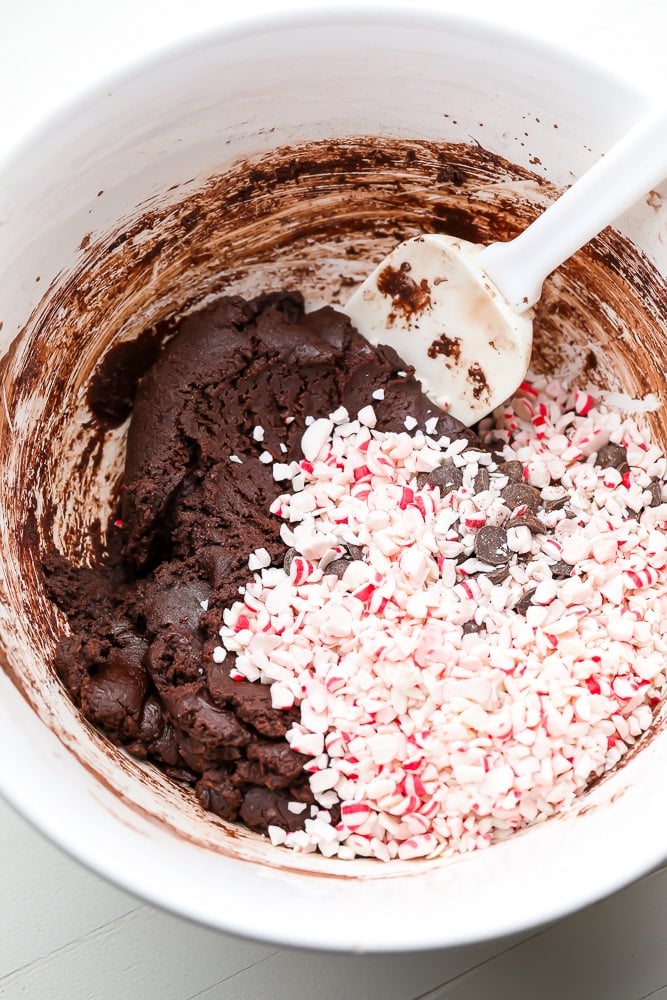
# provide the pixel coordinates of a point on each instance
(473, 635)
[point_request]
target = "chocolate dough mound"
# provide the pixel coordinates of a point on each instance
(194, 504)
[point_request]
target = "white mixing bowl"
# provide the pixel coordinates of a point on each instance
(134, 201)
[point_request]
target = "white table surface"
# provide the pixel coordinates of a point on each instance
(67, 935)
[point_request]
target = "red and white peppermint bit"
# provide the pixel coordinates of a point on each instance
(433, 738)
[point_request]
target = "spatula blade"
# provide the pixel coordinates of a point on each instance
(433, 304)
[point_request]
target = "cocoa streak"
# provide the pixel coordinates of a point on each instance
(406, 295)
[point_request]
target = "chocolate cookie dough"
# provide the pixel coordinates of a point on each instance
(194, 502)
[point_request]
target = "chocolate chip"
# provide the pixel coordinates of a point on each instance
(557, 504)
(655, 489)
(612, 456)
(524, 601)
(513, 470)
(471, 627)
(447, 477)
(528, 520)
(482, 480)
(337, 567)
(491, 545)
(288, 559)
(516, 494)
(356, 552)
(498, 575)
(561, 570)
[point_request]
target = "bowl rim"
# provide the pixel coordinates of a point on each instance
(13, 786)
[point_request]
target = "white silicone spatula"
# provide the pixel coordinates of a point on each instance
(460, 313)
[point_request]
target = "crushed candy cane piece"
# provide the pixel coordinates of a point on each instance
(315, 437)
(259, 559)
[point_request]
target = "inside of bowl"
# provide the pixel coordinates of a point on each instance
(310, 218)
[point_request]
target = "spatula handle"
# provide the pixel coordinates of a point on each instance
(630, 169)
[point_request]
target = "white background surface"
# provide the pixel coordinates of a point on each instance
(65, 934)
